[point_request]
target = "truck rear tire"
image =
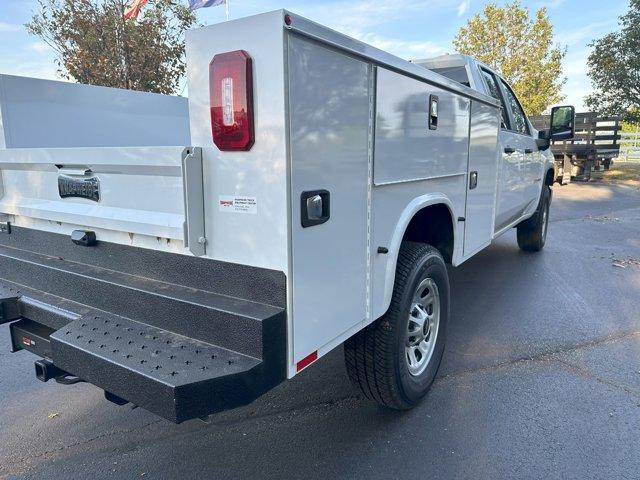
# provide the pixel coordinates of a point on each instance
(395, 359)
(532, 233)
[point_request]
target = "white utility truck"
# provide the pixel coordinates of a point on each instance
(187, 258)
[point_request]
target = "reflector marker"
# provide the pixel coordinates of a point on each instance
(306, 361)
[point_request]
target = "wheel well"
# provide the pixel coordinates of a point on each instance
(549, 178)
(432, 225)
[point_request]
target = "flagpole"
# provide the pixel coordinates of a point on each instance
(226, 9)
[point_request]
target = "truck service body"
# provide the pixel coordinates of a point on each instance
(188, 259)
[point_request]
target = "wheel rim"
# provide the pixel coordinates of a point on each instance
(545, 221)
(422, 328)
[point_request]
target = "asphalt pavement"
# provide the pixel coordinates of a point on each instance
(540, 379)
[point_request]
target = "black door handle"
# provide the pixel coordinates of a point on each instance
(528, 150)
(509, 150)
(314, 207)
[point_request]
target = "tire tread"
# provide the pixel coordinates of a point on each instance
(530, 231)
(369, 354)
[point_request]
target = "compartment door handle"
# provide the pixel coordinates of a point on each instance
(473, 180)
(315, 207)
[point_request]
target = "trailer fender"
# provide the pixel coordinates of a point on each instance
(415, 206)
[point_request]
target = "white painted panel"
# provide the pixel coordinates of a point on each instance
(393, 207)
(38, 113)
(405, 147)
(259, 239)
(511, 201)
(2, 134)
(483, 159)
(534, 163)
(329, 121)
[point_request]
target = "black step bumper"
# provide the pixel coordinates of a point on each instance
(181, 351)
(171, 375)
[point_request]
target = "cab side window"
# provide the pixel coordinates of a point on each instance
(494, 91)
(519, 118)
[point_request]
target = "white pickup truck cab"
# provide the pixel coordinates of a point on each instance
(187, 258)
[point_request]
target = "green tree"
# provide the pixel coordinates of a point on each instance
(520, 48)
(614, 68)
(95, 45)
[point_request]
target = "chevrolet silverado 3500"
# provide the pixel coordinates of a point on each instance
(186, 258)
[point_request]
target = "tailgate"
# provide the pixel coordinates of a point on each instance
(135, 190)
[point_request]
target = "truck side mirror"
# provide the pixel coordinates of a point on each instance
(562, 123)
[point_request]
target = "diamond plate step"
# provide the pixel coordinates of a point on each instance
(174, 376)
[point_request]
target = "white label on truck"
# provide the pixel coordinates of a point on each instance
(238, 204)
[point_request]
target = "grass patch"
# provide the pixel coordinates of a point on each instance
(627, 173)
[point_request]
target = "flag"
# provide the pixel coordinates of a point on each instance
(193, 4)
(134, 9)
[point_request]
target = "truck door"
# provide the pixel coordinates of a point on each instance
(532, 159)
(511, 199)
(329, 122)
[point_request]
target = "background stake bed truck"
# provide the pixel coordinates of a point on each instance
(326, 186)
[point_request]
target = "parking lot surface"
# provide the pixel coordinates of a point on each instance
(540, 379)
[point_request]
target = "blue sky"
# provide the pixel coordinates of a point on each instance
(407, 28)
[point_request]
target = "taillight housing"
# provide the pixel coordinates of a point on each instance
(231, 100)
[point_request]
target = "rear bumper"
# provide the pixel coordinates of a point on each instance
(181, 350)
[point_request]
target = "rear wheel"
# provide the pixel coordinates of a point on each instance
(532, 233)
(395, 359)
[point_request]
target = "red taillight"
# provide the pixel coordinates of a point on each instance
(231, 100)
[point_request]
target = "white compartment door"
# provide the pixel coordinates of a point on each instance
(329, 136)
(482, 177)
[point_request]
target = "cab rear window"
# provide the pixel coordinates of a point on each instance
(457, 74)
(494, 91)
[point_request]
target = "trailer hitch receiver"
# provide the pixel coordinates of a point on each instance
(46, 370)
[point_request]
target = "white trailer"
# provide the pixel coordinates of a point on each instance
(322, 189)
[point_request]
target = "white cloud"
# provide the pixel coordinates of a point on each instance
(360, 18)
(576, 90)
(576, 63)
(551, 4)
(585, 34)
(578, 83)
(463, 7)
(574, 66)
(406, 49)
(31, 69)
(40, 47)
(9, 27)
(361, 15)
